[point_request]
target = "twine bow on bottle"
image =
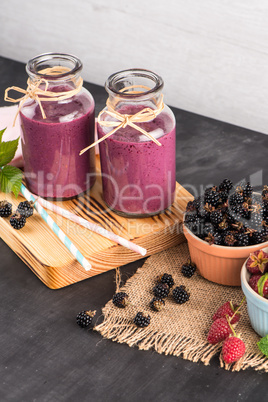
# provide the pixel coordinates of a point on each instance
(123, 120)
(40, 95)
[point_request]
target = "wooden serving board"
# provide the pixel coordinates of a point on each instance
(52, 263)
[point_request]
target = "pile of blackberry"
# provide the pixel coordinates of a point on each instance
(18, 219)
(229, 216)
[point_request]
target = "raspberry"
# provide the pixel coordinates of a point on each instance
(25, 208)
(17, 221)
(257, 262)
(5, 208)
(253, 282)
(228, 309)
(180, 294)
(166, 278)
(219, 330)
(157, 304)
(84, 318)
(188, 269)
(233, 349)
(120, 299)
(161, 290)
(141, 320)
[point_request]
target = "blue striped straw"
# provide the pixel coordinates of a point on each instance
(58, 232)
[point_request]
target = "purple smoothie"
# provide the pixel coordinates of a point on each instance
(51, 146)
(139, 177)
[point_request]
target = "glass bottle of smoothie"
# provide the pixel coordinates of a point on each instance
(55, 129)
(138, 175)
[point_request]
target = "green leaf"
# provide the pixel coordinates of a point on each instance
(263, 345)
(1, 133)
(10, 179)
(7, 151)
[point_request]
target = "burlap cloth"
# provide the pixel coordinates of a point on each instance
(178, 330)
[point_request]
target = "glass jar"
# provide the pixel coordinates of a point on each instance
(55, 131)
(138, 176)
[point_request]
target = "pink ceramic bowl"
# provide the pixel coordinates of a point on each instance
(220, 264)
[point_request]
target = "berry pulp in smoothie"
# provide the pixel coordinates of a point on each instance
(138, 176)
(51, 146)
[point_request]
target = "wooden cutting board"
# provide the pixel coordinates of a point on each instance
(52, 263)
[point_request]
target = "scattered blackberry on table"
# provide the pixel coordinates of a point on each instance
(25, 208)
(5, 208)
(157, 304)
(17, 221)
(188, 269)
(120, 299)
(141, 320)
(161, 290)
(84, 318)
(180, 294)
(166, 278)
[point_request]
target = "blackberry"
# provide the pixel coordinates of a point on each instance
(247, 190)
(188, 269)
(84, 318)
(120, 299)
(223, 196)
(190, 206)
(216, 217)
(265, 193)
(212, 197)
(197, 202)
(215, 238)
(242, 239)
(5, 208)
(166, 278)
(180, 294)
(236, 199)
(157, 304)
(256, 237)
(25, 208)
(141, 320)
(161, 290)
(17, 221)
(226, 185)
(229, 239)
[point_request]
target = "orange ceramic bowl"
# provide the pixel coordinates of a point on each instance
(220, 264)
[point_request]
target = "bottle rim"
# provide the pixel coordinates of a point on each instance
(114, 79)
(38, 63)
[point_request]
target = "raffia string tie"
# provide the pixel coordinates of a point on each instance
(34, 91)
(123, 120)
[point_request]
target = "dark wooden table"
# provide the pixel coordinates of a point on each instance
(45, 356)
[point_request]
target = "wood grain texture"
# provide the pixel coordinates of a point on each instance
(49, 259)
(212, 54)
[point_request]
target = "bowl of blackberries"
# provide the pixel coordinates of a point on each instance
(223, 226)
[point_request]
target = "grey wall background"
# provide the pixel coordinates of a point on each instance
(212, 54)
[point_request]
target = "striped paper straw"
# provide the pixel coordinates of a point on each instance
(58, 232)
(93, 227)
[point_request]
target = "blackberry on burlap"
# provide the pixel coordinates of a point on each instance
(141, 320)
(166, 278)
(157, 304)
(188, 269)
(180, 294)
(161, 290)
(120, 299)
